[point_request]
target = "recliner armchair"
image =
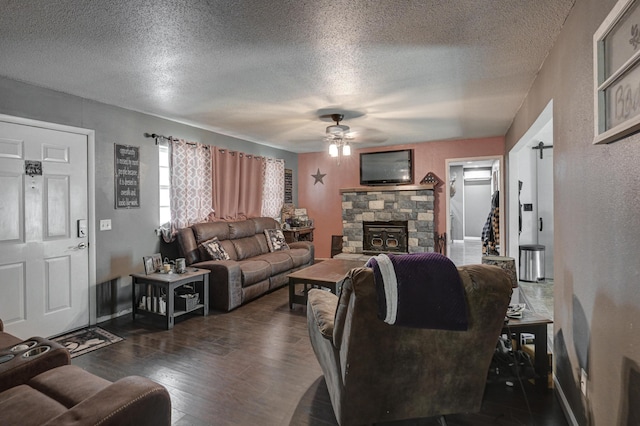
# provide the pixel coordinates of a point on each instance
(376, 372)
(38, 387)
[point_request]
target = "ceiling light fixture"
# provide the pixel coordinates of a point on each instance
(338, 137)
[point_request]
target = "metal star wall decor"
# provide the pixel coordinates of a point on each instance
(318, 177)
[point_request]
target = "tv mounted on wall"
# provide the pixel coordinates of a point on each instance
(386, 168)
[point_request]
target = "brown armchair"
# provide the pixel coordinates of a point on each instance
(68, 395)
(377, 372)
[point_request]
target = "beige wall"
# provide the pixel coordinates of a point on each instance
(597, 231)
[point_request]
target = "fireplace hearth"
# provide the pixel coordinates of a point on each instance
(384, 237)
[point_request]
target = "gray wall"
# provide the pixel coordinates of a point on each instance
(119, 252)
(597, 231)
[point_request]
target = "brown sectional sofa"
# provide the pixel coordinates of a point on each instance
(43, 389)
(252, 269)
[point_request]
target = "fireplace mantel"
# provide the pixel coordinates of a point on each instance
(387, 188)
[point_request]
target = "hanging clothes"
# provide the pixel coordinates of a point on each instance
(491, 229)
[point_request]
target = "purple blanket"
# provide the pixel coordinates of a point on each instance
(429, 291)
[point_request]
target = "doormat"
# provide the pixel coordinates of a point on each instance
(87, 340)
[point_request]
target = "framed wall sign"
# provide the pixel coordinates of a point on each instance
(288, 186)
(616, 60)
(127, 178)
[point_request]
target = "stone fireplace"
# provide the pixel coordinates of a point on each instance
(389, 205)
(384, 237)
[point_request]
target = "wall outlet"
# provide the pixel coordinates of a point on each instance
(105, 225)
(583, 381)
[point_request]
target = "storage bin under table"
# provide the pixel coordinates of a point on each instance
(155, 285)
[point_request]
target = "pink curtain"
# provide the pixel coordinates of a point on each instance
(237, 185)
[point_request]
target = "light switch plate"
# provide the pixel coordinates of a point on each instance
(105, 225)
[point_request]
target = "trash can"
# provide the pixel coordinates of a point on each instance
(532, 262)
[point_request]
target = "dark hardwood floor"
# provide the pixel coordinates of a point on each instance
(255, 366)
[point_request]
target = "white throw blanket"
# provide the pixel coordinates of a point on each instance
(390, 287)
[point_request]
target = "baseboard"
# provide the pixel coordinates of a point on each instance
(113, 316)
(568, 413)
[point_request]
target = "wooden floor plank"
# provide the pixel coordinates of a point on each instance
(255, 365)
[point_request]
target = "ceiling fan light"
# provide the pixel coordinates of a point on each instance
(346, 149)
(333, 149)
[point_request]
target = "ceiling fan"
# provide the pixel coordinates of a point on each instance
(338, 136)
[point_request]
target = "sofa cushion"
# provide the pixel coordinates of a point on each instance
(215, 250)
(263, 223)
(280, 261)
(300, 256)
(241, 229)
(247, 247)
(7, 340)
(228, 246)
(23, 405)
(208, 230)
(254, 271)
(275, 240)
(56, 383)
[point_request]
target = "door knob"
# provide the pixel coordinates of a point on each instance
(82, 246)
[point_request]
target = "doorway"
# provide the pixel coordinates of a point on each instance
(531, 190)
(47, 255)
(471, 183)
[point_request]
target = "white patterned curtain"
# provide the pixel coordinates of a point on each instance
(272, 187)
(191, 190)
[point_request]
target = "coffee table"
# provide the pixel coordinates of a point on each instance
(535, 324)
(328, 273)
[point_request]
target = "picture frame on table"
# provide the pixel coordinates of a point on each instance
(157, 261)
(148, 265)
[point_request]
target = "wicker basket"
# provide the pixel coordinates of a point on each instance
(186, 302)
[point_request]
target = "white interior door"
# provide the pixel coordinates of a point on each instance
(44, 261)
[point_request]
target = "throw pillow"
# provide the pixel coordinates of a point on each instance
(275, 240)
(215, 249)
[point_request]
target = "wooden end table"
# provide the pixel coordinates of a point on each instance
(535, 324)
(292, 235)
(155, 285)
(328, 273)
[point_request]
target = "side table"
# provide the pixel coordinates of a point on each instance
(155, 285)
(535, 324)
(292, 235)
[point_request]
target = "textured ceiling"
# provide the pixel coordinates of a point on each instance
(264, 71)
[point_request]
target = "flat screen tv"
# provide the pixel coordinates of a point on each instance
(386, 168)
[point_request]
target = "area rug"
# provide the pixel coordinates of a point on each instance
(87, 340)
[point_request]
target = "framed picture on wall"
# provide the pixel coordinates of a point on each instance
(148, 265)
(616, 58)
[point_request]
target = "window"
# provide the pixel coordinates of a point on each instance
(165, 185)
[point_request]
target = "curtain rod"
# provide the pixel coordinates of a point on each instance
(156, 137)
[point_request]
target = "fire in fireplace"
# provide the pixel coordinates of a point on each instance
(385, 237)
